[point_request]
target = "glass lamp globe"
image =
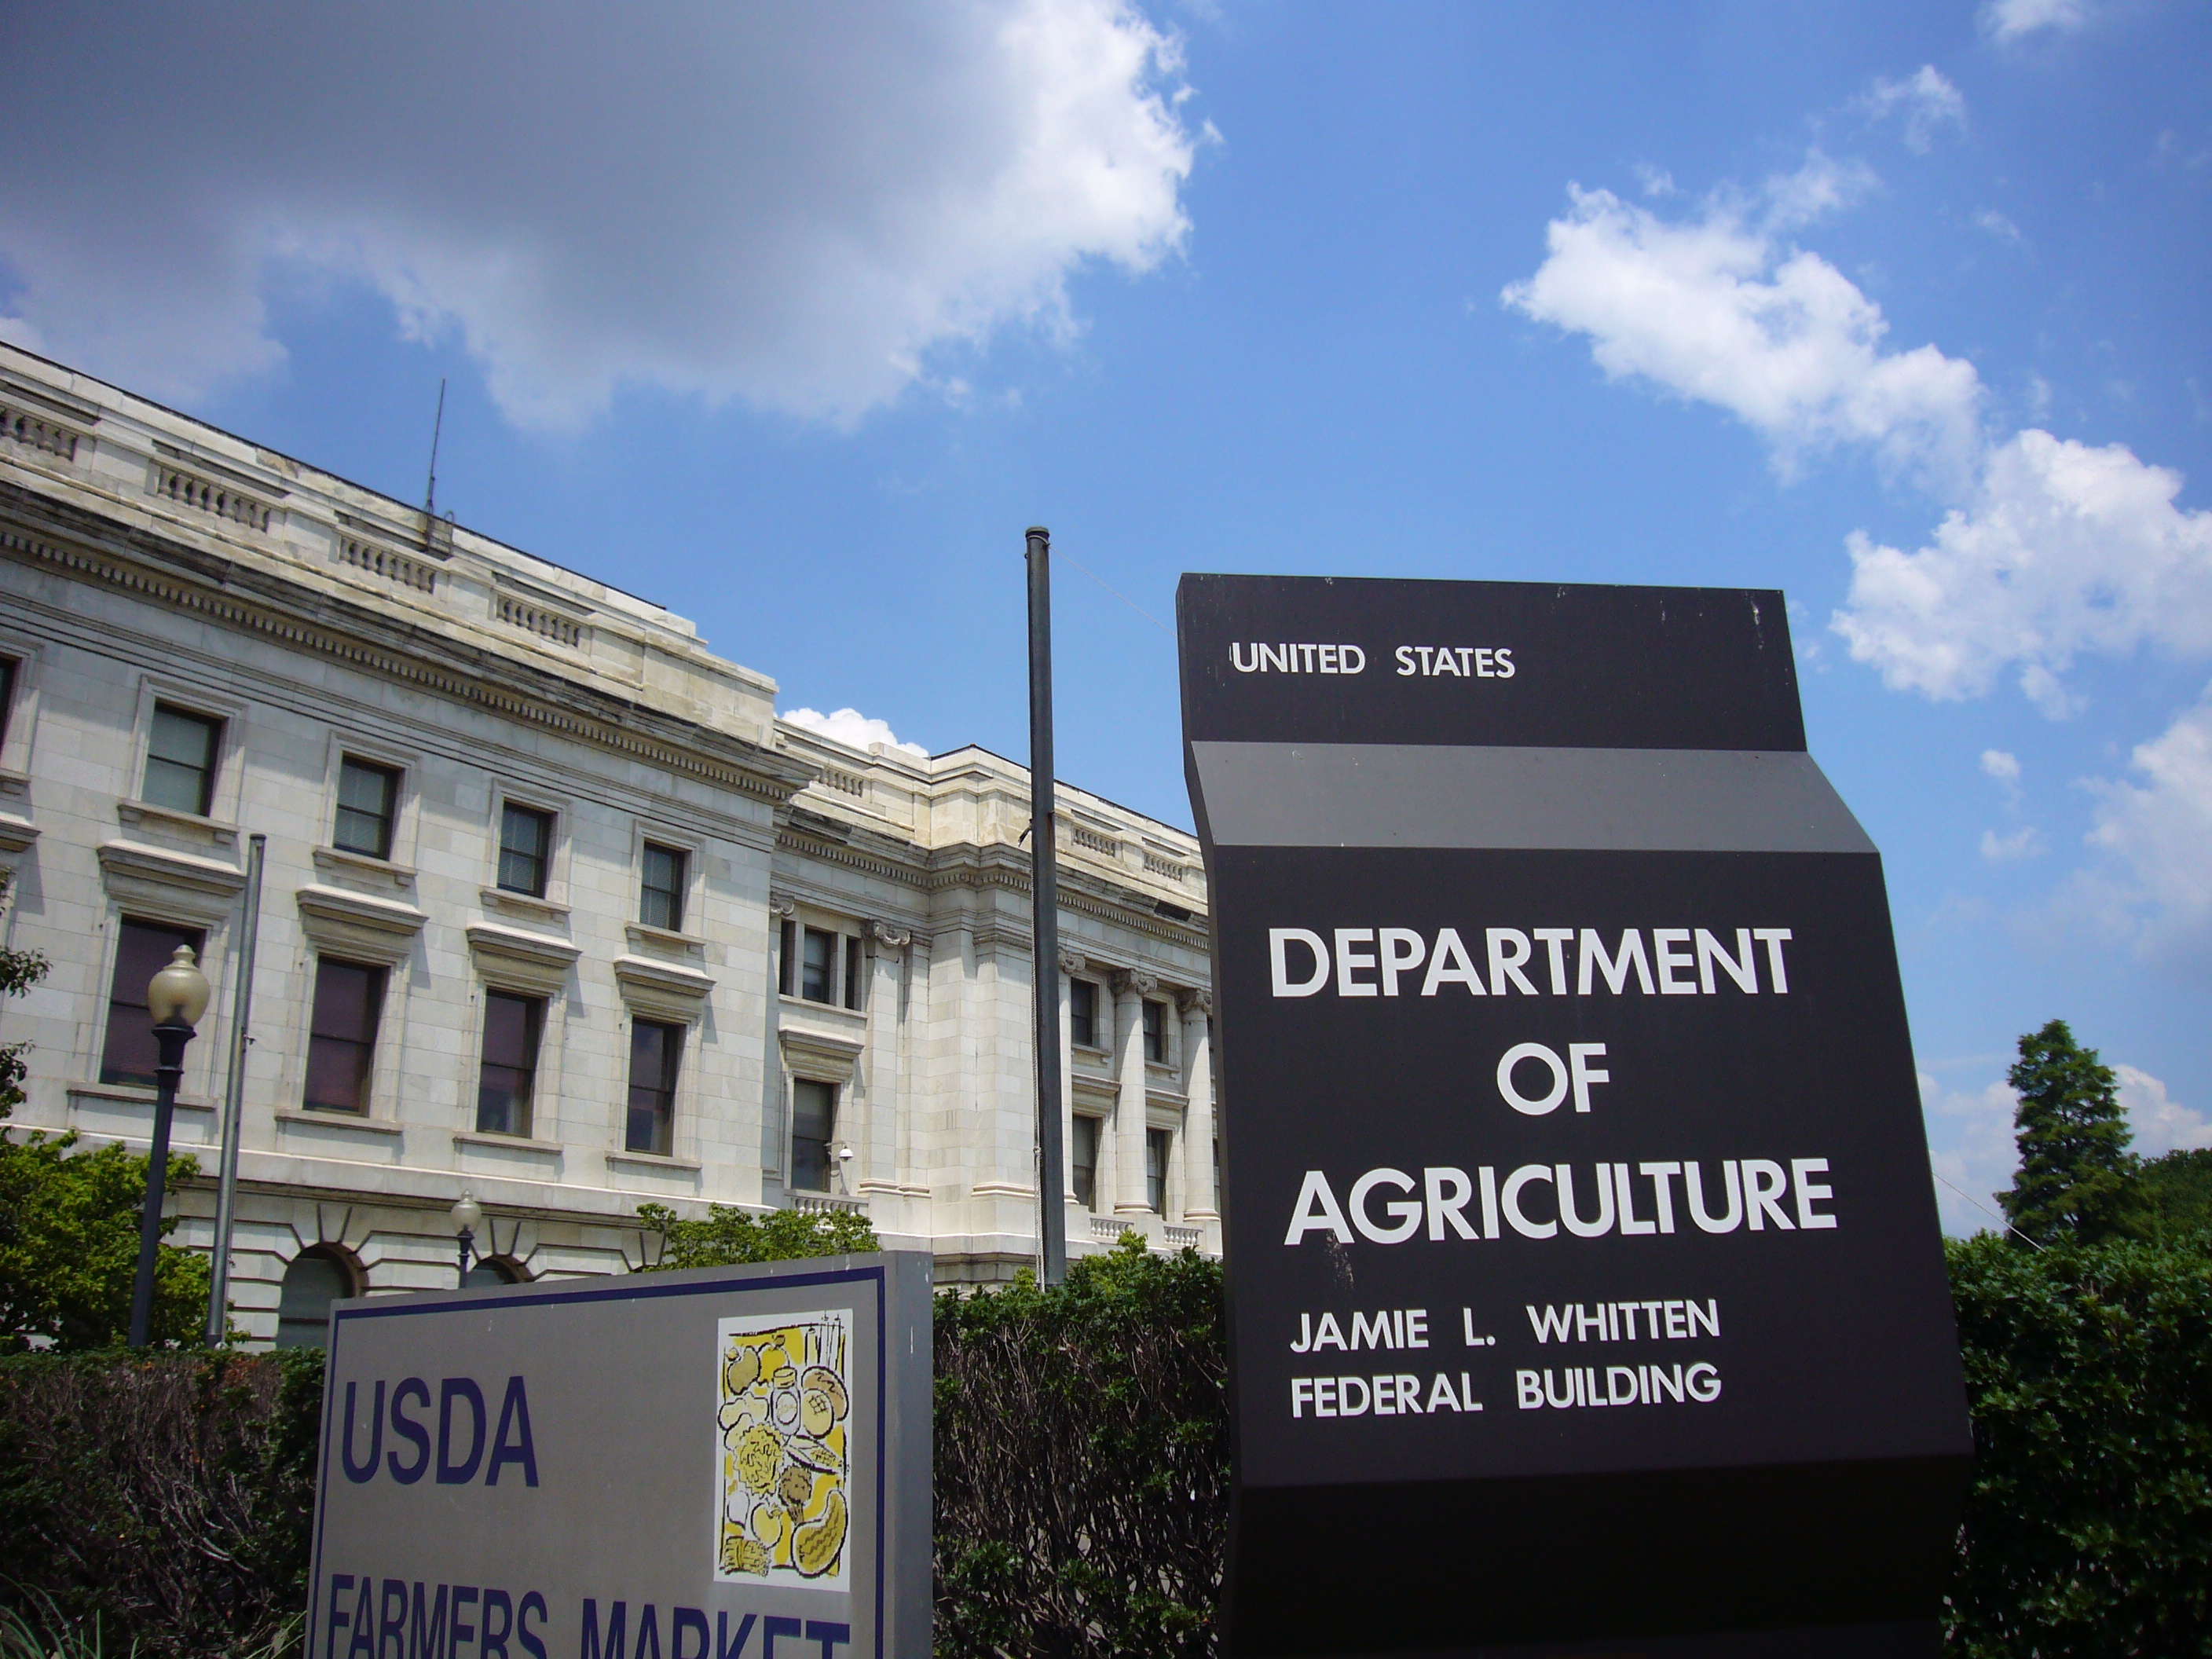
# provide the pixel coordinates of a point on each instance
(466, 1214)
(178, 995)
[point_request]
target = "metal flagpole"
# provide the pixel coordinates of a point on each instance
(233, 1098)
(1044, 929)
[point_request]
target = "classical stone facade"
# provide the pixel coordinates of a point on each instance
(555, 911)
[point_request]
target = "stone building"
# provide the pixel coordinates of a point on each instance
(556, 912)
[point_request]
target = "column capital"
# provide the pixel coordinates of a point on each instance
(783, 904)
(1196, 1003)
(1136, 981)
(889, 937)
(1073, 962)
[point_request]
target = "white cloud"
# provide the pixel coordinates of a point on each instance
(2065, 549)
(2008, 20)
(2025, 842)
(2003, 767)
(2162, 1124)
(1719, 308)
(1997, 224)
(2158, 834)
(1971, 1150)
(792, 206)
(1927, 100)
(852, 728)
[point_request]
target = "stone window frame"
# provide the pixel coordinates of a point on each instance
(851, 932)
(406, 813)
(19, 721)
(227, 790)
(693, 846)
(563, 810)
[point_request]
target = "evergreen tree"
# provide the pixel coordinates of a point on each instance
(2173, 1196)
(2076, 1179)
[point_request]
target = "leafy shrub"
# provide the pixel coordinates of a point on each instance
(160, 1499)
(2089, 1524)
(1082, 1461)
(729, 1238)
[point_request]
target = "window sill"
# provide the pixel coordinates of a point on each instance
(807, 1004)
(140, 811)
(657, 1161)
(643, 935)
(510, 1142)
(132, 1094)
(366, 1125)
(525, 904)
(337, 857)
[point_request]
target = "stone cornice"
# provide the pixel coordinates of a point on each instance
(91, 548)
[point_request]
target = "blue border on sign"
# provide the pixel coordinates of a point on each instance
(396, 1307)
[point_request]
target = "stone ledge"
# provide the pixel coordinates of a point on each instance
(658, 1160)
(374, 1126)
(505, 1143)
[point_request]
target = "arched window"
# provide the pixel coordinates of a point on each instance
(315, 1278)
(493, 1270)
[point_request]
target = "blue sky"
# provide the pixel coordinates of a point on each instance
(792, 319)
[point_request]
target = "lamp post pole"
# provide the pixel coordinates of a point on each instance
(177, 997)
(1044, 922)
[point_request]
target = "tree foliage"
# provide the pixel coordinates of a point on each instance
(2089, 1522)
(2076, 1169)
(2173, 1196)
(728, 1237)
(69, 1225)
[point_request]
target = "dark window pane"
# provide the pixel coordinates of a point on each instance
(661, 903)
(311, 1282)
(786, 960)
(655, 1052)
(8, 666)
(851, 972)
(817, 966)
(489, 1273)
(1083, 1014)
(1083, 1161)
(341, 1037)
(180, 761)
(1156, 1036)
(813, 1115)
(526, 849)
(144, 949)
(368, 796)
(1156, 1170)
(512, 1025)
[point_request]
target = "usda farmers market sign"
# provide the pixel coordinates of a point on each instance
(726, 1464)
(1584, 1270)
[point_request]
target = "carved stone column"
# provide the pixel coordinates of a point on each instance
(1198, 1196)
(1130, 990)
(886, 946)
(1070, 963)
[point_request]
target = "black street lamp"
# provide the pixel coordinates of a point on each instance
(176, 997)
(466, 1214)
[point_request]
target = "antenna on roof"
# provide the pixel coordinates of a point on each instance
(438, 426)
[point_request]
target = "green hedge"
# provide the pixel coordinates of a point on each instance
(1082, 1467)
(167, 1495)
(2089, 1525)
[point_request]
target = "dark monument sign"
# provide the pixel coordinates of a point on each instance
(1585, 1284)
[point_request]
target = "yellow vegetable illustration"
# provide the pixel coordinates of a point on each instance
(758, 1454)
(741, 1554)
(815, 1548)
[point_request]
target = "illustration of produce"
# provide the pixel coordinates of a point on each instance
(783, 1447)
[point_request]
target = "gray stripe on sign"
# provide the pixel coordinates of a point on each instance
(1645, 800)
